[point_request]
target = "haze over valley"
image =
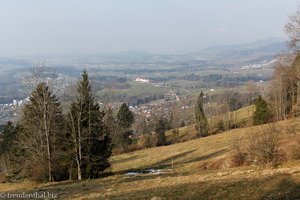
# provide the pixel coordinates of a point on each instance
(160, 99)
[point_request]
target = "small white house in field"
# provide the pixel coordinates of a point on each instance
(142, 80)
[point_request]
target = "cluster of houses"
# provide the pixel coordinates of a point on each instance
(163, 106)
(9, 110)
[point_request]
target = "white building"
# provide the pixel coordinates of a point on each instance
(142, 80)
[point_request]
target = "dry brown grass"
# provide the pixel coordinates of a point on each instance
(201, 170)
(223, 184)
(240, 118)
(188, 156)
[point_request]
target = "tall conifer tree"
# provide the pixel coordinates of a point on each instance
(160, 129)
(41, 129)
(201, 119)
(91, 142)
(262, 113)
(125, 119)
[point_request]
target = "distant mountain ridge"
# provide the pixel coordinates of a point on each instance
(236, 54)
(259, 50)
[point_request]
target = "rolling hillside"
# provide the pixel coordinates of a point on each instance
(197, 169)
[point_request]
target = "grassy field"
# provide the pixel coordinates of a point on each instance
(241, 117)
(137, 89)
(197, 169)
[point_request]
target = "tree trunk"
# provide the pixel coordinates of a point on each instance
(78, 169)
(76, 141)
(79, 156)
(90, 144)
(3, 164)
(47, 142)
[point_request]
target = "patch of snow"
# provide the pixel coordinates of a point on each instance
(148, 171)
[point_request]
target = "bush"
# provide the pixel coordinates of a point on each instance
(147, 141)
(175, 136)
(220, 126)
(117, 151)
(264, 146)
(143, 142)
(182, 124)
(36, 171)
(133, 147)
(239, 156)
(296, 152)
(293, 149)
(61, 172)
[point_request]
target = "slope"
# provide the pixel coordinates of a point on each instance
(198, 169)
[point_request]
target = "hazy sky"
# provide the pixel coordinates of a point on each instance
(158, 26)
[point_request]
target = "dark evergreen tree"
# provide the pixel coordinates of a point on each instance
(41, 130)
(7, 145)
(201, 119)
(160, 129)
(182, 123)
(125, 116)
(110, 123)
(8, 137)
(125, 119)
(100, 149)
(262, 113)
(90, 140)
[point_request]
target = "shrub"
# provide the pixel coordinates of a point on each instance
(144, 141)
(296, 152)
(220, 126)
(182, 124)
(239, 156)
(117, 151)
(147, 141)
(133, 147)
(153, 140)
(263, 146)
(175, 136)
(293, 150)
(36, 171)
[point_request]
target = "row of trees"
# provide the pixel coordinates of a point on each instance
(286, 87)
(284, 96)
(261, 115)
(47, 144)
(285, 90)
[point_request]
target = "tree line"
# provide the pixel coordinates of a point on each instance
(48, 144)
(285, 87)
